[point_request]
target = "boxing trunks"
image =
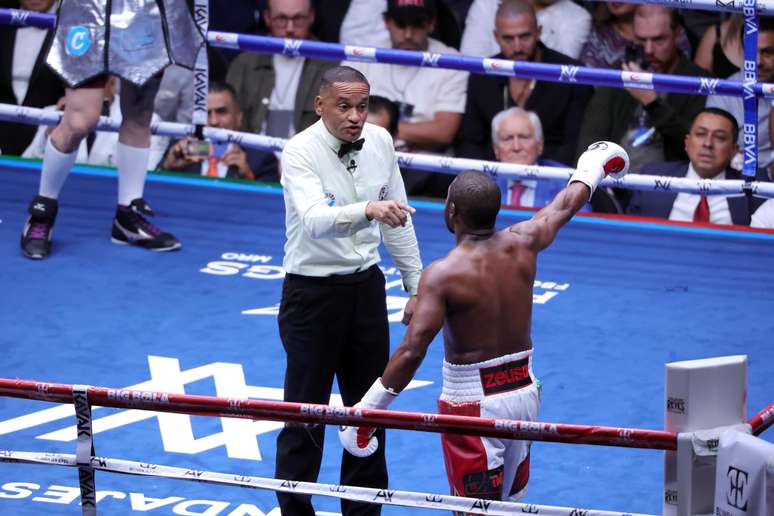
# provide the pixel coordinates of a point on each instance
(501, 388)
(132, 39)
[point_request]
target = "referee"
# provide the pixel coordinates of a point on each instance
(343, 192)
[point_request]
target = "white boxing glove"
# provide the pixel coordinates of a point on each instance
(360, 441)
(601, 159)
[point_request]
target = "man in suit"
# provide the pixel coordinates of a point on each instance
(24, 77)
(517, 137)
(710, 145)
(276, 92)
(559, 106)
(227, 160)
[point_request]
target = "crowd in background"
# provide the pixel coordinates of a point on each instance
(451, 112)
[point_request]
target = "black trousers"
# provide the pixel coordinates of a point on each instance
(329, 326)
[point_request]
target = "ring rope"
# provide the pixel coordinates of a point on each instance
(482, 65)
(361, 494)
(762, 420)
(488, 66)
(313, 413)
(429, 162)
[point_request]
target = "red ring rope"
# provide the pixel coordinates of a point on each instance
(762, 420)
(310, 413)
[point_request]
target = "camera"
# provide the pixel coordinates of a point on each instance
(636, 54)
(198, 149)
(405, 110)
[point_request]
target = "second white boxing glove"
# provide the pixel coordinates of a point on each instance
(599, 160)
(360, 441)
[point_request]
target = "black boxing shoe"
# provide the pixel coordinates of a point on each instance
(132, 228)
(36, 237)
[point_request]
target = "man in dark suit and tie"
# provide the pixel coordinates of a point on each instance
(25, 79)
(710, 145)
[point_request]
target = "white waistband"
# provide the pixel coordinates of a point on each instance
(462, 382)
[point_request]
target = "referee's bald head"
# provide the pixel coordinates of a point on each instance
(342, 74)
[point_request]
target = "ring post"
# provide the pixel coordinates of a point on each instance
(699, 394)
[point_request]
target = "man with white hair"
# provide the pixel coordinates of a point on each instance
(517, 137)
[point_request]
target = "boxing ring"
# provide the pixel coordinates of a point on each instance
(202, 322)
(615, 299)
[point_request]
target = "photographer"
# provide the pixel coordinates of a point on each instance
(221, 159)
(650, 126)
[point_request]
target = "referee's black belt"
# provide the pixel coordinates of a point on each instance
(335, 279)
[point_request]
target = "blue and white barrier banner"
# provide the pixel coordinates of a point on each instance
(750, 101)
(361, 494)
(429, 162)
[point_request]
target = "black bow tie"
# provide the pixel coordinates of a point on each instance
(349, 147)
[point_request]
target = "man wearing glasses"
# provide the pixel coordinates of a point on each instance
(277, 92)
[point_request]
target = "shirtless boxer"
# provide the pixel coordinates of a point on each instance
(481, 294)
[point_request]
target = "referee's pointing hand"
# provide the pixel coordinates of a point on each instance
(392, 213)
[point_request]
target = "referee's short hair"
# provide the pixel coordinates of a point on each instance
(342, 74)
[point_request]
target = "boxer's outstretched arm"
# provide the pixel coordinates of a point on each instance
(544, 226)
(424, 326)
(600, 160)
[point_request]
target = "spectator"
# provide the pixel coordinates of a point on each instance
(651, 126)
(221, 159)
(25, 79)
(765, 74)
(517, 137)
(98, 148)
(431, 100)
(276, 92)
(764, 216)
(721, 50)
(612, 32)
(383, 112)
(353, 22)
(559, 106)
(710, 145)
(174, 101)
(564, 27)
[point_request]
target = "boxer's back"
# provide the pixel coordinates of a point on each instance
(488, 292)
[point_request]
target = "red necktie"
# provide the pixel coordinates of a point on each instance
(516, 190)
(702, 213)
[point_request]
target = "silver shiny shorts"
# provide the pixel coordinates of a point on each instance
(132, 39)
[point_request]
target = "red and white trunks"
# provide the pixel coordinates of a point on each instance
(501, 388)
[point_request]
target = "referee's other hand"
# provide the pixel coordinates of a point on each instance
(392, 213)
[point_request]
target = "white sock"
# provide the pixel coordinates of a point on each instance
(56, 166)
(132, 168)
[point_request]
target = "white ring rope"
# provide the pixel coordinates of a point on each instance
(361, 494)
(430, 162)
